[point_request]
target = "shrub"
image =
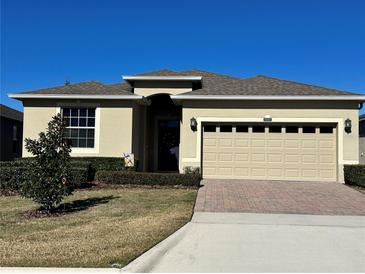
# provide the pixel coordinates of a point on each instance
(355, 175)
(49, 172)
(146, 178)
(103, 163)
(13, 173)
(11, 177)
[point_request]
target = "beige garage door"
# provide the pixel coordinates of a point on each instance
(281, 152)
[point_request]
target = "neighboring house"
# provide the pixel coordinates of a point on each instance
(252, 128)
(11, 133)
(362, 138)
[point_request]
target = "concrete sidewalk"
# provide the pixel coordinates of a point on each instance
(246, 242)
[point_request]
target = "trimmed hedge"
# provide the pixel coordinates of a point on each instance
(146, 178)
(13, 173)
(355, 175)
(95, 164)
(103, 163)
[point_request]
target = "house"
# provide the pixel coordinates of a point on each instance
(229, 127)
(362, 139)
(11, 133)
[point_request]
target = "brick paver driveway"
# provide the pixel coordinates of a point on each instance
(320, 198)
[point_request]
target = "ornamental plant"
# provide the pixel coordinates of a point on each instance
(48, 175)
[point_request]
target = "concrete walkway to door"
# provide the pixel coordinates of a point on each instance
(250, 196)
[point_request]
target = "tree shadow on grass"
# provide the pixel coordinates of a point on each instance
(70, 207)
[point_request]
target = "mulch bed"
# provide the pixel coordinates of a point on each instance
(97, 186)
(36, 213)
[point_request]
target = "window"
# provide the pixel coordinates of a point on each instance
(292, 129)
(326, 129)
(258, 129)
(15, 133)
(80, 126)
(226, 129)
(275, 129)
(309, 129)
(209, 128)
(241, 128)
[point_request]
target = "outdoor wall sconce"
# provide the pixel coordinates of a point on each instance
(348, 125)
(193, 124)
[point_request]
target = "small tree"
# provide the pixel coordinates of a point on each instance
(47, 181)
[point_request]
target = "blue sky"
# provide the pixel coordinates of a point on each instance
(45, 42)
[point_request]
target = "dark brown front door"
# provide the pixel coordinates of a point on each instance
(168, 144)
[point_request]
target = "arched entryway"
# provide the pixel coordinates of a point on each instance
(163, 119)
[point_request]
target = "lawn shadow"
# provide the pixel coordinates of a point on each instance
(79, 205)
(70, 207)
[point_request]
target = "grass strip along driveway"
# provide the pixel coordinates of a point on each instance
(105, 226)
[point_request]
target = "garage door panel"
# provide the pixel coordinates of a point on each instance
(311, 144)
(242, 157)
(258, 172)
(241, 143)
(258, 143)
(274, 158)
(209, 142)
(209, 156)
(241, 171)
(225, 171)
(275, 172)
(258, 157)
(283, 156)
(309, 158)
(291, 158)
(290, 143)
(225, 157)
(276, 143)
(326, 144)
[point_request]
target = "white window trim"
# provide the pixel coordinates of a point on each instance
(338, 121)
(79, 151)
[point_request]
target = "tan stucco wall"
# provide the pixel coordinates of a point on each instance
(148, 88)
(113, 136)
(241, 109)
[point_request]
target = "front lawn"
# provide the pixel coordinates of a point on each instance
(106, 226)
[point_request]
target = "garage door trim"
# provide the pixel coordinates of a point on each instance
(339, 121)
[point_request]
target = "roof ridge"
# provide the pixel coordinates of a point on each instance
(218, 74)
(300, 83)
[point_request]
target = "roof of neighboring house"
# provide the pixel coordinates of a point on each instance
(212, 84)
(10, 113)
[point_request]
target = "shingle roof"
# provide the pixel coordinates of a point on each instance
(10, 113)
(212, 84)
(87, 88)
(216, 84)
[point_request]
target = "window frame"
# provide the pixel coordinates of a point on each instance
(78, 116)
(77, 151)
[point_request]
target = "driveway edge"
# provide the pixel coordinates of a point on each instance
(146, 261)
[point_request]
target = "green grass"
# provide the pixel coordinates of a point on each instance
(112, 226)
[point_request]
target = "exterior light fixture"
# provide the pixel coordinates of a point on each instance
(193, 124)
(267, 118)
(348, 125)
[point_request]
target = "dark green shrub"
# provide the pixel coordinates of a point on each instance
(48, 176)
(11, 178)
(355, 175)
(145, 178)
(103, 163)
(79, 176)
(12, 174)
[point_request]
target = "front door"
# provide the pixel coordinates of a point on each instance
(168, 144)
